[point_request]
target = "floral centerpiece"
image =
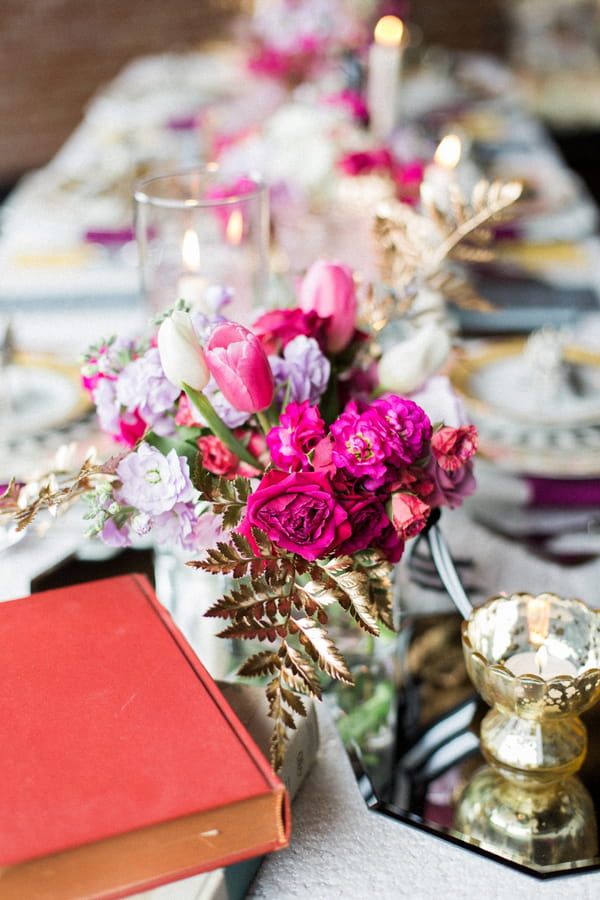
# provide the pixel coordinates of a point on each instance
(275, 456)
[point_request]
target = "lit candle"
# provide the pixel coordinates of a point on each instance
(191, 286)
(235, 228)
(541, 663)
(385, 58)
(439, 175)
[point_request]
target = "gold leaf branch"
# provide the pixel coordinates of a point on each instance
(54, 491)
(414, 248)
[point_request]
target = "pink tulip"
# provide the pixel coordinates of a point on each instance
(240, 367)
(328, 289)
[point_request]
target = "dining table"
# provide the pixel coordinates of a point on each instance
(67, 281)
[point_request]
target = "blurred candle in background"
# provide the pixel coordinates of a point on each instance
(440, 174)
(383, 79)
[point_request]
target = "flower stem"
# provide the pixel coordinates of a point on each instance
(264, 422)
(218, 427)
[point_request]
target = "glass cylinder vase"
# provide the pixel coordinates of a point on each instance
(201, 228)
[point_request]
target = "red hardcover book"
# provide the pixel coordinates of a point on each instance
(121, 765)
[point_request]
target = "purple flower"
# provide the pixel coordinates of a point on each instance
(304, 368)
(451, 487)
(143, 386)
(153, 483)
(300, 431)
(409, 427)
(232, 417)
(177, 526)
(107, 405)
(113, 536)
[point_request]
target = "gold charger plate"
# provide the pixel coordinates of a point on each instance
(517, 431)
(39, 394)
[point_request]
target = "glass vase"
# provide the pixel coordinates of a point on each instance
(200, 228)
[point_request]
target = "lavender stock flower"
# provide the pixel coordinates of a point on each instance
(143, 386)
(153, 483)
(304, 368)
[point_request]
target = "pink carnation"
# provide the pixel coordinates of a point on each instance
(301, 429)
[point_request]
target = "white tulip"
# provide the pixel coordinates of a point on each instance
(405, 366)
(181, 354)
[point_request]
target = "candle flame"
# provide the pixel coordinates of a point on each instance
(541, 658)
(389, 31)
(448, 152)
(190, 250)
(538, 620)
(235, 227)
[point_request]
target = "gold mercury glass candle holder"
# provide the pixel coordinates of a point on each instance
(535, 660)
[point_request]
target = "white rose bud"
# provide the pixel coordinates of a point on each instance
(405, 366)
(181, 354)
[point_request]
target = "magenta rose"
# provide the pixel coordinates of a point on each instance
(278, 327)
(368, 520)
(364, 162)
(452, 447)
(409, 515)
(452, 486)
(299, 512)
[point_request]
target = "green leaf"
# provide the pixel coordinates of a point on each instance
(166, 444)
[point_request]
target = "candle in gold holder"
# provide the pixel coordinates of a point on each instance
(536, 661)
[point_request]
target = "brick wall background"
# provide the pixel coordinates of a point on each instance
(55, 53)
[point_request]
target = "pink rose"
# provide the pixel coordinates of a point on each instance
(216, 457)
(240, 367)
(299, 512)
(328, 289)
(452, 447)
(409, 515)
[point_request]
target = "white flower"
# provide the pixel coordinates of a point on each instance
(405, 366)
(181, 355)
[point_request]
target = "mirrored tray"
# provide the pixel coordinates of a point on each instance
(419, 777)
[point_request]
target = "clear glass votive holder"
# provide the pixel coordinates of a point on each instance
(201, 228)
